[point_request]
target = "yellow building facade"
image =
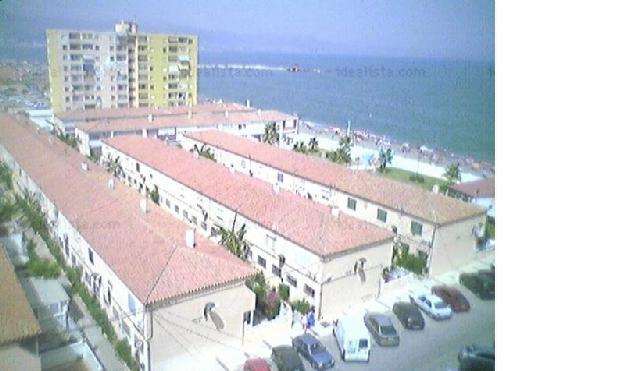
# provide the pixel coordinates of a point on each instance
(123, 68)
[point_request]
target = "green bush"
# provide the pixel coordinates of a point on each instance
(284, 291)
(416, 177)
(43, 268)
(301, 306)
(124, 353)
(413, 263)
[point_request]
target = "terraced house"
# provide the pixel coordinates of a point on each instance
(242, 122)
(325, 256)
(157, 281)
(123, 68)
(446, 231)
(66, 122)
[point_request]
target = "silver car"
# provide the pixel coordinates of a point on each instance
(381, 328)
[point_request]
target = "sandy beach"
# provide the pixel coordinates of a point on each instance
(422, 159)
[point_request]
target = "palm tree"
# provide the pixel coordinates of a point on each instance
(385, 159)
(234, 240)
(343, 154)
(271, 133)
(313, 144)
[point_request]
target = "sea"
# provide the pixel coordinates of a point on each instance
(442, 104)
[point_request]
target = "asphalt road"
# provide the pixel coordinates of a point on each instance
(434, 348)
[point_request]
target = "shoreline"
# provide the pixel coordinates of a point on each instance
(424, 160)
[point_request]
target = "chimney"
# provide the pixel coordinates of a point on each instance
(259, 112)
(111, 183)
(143, 205)
(190, 113)
(335, 212)
(196, 154)
(189, 238)
(150, 118)
(231, 168)
(84, 166)
(276, 187)
(248, 104)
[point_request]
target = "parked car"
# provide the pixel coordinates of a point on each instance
(481, 284)
(352, 338)
(382, 330)
(312, 350)
(409, 315)
(432, 305)
(453, 297)
(286, 359)
(476, 358)
(256, 364)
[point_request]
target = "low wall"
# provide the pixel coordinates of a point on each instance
(68, 354)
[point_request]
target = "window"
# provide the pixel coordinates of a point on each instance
(194, 219)
(276, 271)
(131, 304)
(185, 214)
(382, 215)
(138, 167)
(261, 261)
(176, 209)
(351, 203)
(270, 241)
(204, 226)
(167, 203)
(309, 291)
(291, 280)
(91, 256)
(280, 177)
(416, 228)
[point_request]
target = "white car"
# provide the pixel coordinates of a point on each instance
(432, 305)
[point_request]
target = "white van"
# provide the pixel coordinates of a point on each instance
(352, 338)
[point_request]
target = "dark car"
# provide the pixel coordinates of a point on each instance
(482, 285)
(382, 329)
(453, 297)
(476, 358)
(286, 359)
(256, 364)
(312, 350)
(409, 315)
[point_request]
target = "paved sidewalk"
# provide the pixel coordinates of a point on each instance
(101, 346)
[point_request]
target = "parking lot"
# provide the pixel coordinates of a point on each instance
(433, 348)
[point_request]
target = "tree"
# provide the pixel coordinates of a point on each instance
(343, 154)
(234, 240)
(5, 176)
(154, 195)
(271, 134)
(205, 151)
(384, 159)
(300, 147)
(7, 210)
(313, 144)
(452, 174)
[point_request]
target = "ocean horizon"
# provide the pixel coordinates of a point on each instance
(442, 104)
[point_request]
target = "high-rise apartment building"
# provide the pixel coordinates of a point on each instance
(124, 68)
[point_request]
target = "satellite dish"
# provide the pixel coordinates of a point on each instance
(211, 315)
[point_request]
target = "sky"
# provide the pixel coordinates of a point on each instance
(436, 29)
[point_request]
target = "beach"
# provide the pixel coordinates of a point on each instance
(422, 159)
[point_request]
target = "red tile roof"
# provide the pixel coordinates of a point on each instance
(17, 320)
(173, 121)
(422, 204)
(146, 251)
(134, 112)
(477, 188)
(302, 221)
